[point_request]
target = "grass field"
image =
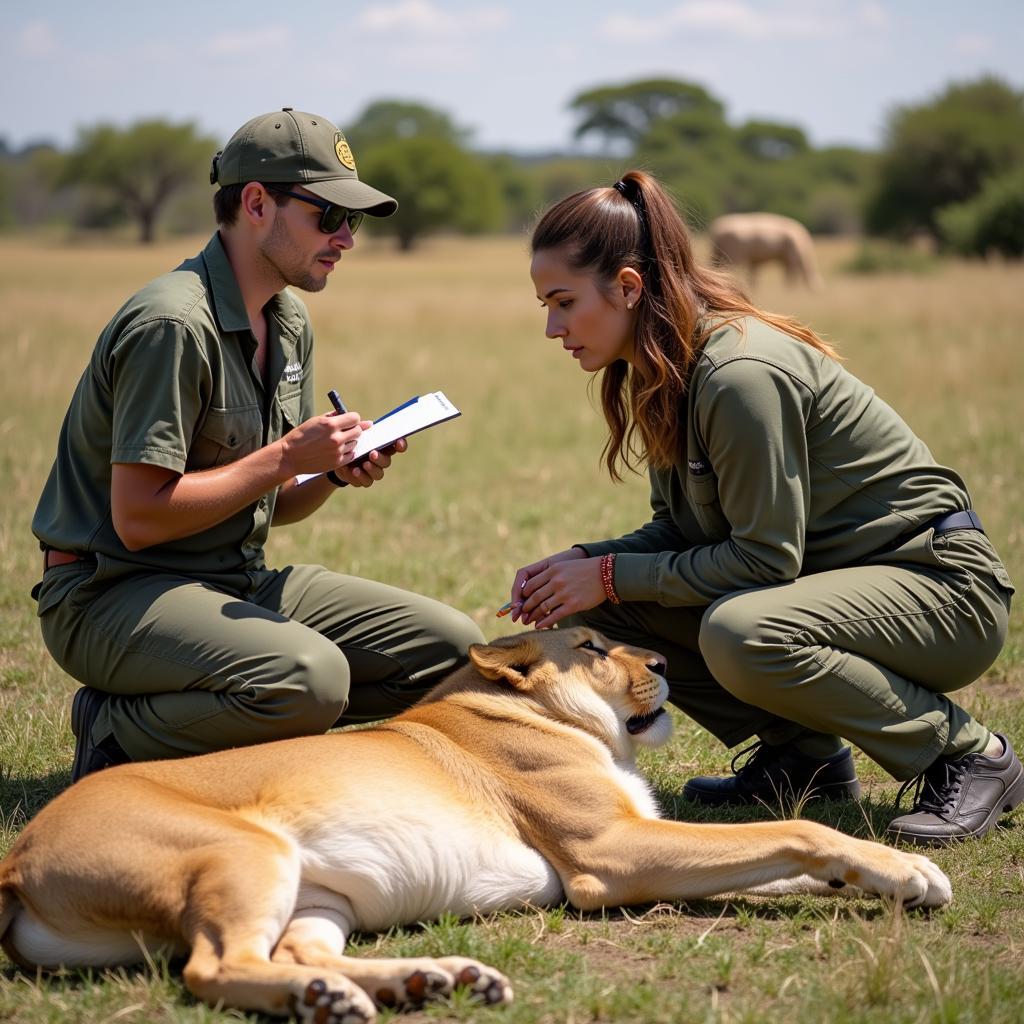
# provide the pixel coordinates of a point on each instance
(515, 478)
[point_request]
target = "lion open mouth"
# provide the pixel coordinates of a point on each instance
(637, 724)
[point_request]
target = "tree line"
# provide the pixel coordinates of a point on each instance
(950, 169)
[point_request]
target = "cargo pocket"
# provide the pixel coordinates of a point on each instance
(1002, 577)
(973, 551)
(60, 582)
(226, 435)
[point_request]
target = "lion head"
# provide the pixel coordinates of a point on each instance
(579, 677)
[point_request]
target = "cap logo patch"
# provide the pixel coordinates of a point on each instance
(344, 151)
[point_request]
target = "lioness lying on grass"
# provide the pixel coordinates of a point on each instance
(512, 782)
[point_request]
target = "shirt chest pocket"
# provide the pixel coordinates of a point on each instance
(226, 435)
(291, 409)
(702, 490)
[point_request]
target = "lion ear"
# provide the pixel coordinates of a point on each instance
(508, 659)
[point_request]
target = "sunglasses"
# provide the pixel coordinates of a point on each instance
(332, 216)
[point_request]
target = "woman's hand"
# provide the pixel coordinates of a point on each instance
(547, 591)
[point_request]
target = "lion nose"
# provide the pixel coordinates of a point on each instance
(657, 666)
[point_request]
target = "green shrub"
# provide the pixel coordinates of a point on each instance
(991, 222)
(833, 209)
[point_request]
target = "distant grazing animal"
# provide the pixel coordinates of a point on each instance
(511, 783)
(749, 239)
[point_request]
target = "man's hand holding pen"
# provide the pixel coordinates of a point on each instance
(369, 469)
(326, 440)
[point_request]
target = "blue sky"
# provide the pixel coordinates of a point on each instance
(504, 68)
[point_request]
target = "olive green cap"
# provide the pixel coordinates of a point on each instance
(298, 148)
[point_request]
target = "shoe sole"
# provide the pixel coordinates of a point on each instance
(1012, 798)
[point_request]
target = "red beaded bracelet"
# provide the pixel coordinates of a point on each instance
(608, 578)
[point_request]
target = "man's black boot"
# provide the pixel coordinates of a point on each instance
(778, 775)
(91, 757)
(960, 798)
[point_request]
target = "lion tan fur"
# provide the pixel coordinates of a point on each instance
(512, 783)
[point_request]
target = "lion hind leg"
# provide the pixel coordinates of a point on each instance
(246, 980)
(241, 899)
(316, 936)
(412, 982)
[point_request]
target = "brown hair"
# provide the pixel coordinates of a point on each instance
(227, 201)
(635, 224)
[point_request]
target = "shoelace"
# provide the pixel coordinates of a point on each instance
(937, 788)
(759, 752)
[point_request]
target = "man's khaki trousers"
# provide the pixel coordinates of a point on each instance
(194, 666)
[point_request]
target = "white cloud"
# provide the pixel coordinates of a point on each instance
(423, 18)
(875, 16)
(250, 44)
(725, 17)
(37, 39)
(972, 44)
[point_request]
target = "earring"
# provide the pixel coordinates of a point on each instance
(629, 305)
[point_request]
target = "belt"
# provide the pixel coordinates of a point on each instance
(955, 521)
(52, 557)
(940, 524)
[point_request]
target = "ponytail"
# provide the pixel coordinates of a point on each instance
(634, 223)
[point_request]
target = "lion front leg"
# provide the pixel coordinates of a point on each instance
(907, 878)
(640, 861)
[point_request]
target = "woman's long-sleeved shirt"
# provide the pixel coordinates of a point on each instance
(791, 466)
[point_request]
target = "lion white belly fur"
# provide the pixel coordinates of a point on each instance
(431, 856)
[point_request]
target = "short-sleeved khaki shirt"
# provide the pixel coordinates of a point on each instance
(173, 382)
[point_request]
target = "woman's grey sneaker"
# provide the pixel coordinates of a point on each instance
(778, 775)
(960, 798)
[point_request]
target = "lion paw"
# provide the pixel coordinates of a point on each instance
(928, 885)
(908, 878)
(483, 982)
(409, 984)
(423, 985)
(321, 1004)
